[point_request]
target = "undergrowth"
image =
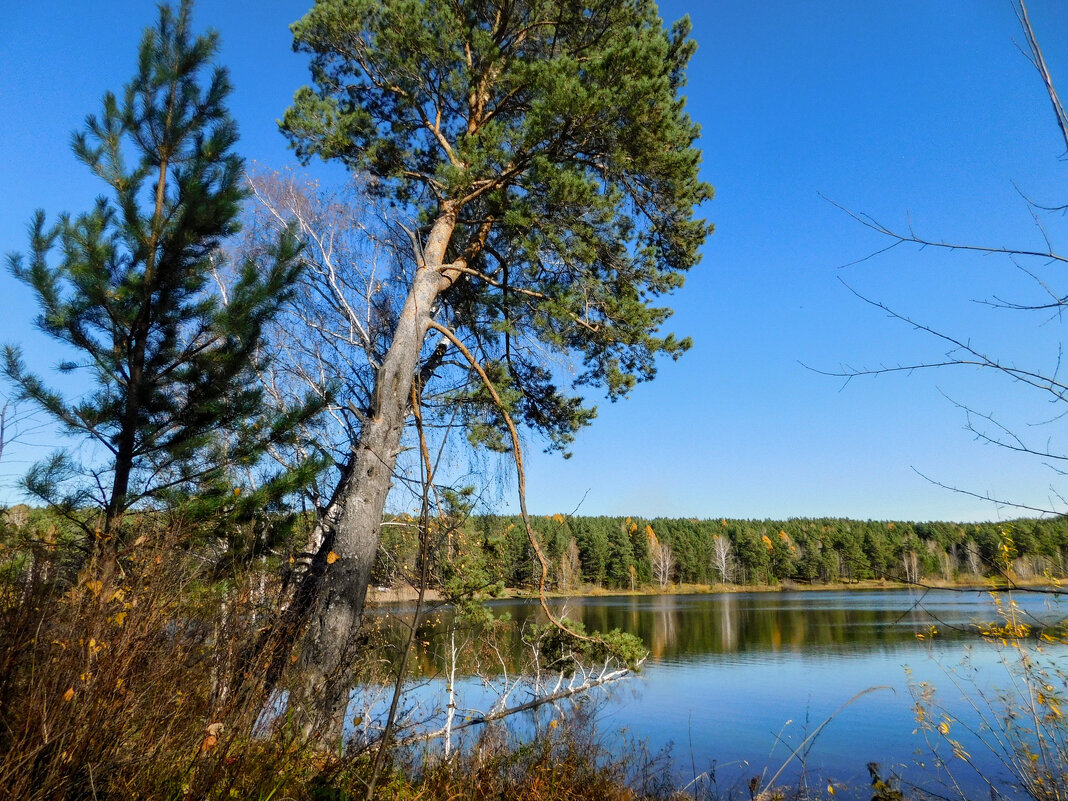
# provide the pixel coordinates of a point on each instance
(145, 685)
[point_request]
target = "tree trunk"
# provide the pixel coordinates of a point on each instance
(330, 640)
(108, 544)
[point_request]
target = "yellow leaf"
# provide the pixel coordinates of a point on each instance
(331, 558)
(95, 586)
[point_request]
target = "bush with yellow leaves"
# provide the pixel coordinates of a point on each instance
(1022, 724)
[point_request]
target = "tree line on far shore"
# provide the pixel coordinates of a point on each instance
(628, 553)
(476, 554)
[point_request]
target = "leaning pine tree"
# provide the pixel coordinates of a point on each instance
(175, 403)
(543, 154)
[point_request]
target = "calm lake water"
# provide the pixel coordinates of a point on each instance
(739, 680)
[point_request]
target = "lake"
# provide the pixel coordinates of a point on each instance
(737, 681)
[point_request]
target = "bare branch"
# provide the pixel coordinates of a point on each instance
(517, 454)
(541, 700)
(911, 237)
(970, 357)
(987, 496)
(1039, 62)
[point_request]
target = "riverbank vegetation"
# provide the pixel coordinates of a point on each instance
(148, 688)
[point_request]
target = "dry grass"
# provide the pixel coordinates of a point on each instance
(138, 687)
(565, 764)
(111, 688)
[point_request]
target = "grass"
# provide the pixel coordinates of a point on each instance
(142, 688)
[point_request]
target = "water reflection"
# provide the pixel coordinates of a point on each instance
(664, 627)
(740, 679)
(728, 611)
(679, 629)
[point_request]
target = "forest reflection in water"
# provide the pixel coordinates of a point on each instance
(683, 628)
(740, 679)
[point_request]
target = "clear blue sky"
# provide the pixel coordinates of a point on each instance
(906, 111)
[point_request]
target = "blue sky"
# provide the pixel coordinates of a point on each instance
(908, 111)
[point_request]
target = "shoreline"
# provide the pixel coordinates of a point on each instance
(407, 594)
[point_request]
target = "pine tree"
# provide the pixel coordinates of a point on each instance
(620, 557)
(543, 158)
(175, 403)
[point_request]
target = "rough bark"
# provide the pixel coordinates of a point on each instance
(335, 614)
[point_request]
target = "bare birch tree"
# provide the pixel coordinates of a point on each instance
(570, 567)
(910, 561)
(333, 335)
(973, 562)
(663, 559)
(723, 558)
